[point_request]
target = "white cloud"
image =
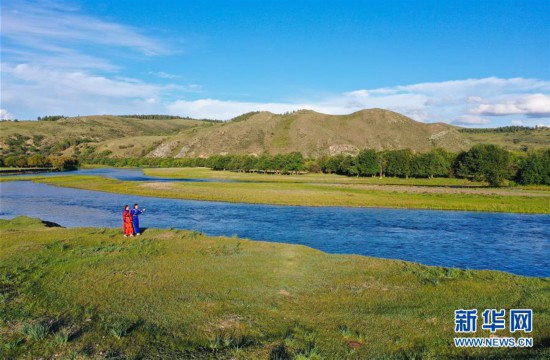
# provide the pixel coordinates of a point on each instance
(6, 115)
(53, 91)
(449, 101)
(219, 109)
(535, 105)
(75, 83)
(165, 75)
(476, 88)
(474, 100)
(50, 90)
(517, 122)
(469, 120)
(46, 24)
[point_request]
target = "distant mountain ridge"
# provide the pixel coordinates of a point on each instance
(311, 133)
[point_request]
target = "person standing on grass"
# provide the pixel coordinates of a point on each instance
(127, 224)
(135, 218)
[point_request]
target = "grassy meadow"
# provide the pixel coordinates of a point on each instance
(207, 173)
(91, 293)
(319, 190)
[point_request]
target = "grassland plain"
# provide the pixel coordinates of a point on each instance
(90, 293)
(320, 190)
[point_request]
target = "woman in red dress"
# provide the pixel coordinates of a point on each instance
(127, 226)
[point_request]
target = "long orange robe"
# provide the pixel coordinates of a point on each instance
(127, 226)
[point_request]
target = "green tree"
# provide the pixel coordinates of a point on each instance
(11, 161)
(332, 164)
(435, 163)
(483, 162)
(399, 163)
(312, 166)
(535, 169)
(294, 162)
(367, 163)
(38, 160)
(67, 163)
(382, 159)
(348, 166)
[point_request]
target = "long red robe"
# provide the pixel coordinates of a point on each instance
(127, 226)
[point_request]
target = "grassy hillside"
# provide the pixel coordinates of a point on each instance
(90, 293)
(314, 134)
(311, 133)
(91, 131)
(531, 139)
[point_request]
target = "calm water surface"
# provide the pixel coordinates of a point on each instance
(119, 174)
(515, 243)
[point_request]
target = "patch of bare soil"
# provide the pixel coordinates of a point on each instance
(158, 185)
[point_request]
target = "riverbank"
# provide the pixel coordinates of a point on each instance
(173, 293)
(319, 190)
(12, 171)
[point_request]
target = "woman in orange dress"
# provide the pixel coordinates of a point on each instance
(127, 226)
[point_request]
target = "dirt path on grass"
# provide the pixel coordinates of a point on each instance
(445, 190)
(417, 189)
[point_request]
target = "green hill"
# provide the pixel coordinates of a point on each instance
(68, 134)
(311, 133)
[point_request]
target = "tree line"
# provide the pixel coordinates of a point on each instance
(489, 163)
(51, 117)
(502, 129)
(40, 161)
(164, 117)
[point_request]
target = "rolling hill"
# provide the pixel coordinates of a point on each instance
(311, 133)
(66, 135)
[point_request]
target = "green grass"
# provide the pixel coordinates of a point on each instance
(206, 173)
(24, 169)
(90, 293)
(515, 141)
(319, 190)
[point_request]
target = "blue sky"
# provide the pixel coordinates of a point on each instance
(470, 63)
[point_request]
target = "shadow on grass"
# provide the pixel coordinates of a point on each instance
(143, 230)
(51, 224)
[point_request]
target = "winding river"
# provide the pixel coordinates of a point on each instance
(515, 243)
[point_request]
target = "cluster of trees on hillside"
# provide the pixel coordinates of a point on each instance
(502, 129)
(40, 161)
(18, 144)
(51, 117)
(163, 117)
